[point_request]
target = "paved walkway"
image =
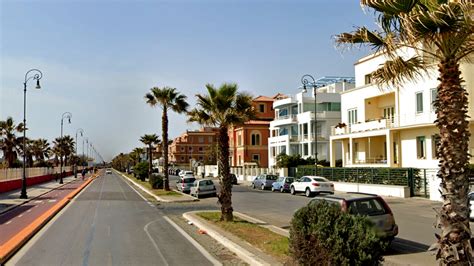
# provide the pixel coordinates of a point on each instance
(11, 199)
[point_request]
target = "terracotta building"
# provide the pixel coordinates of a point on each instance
(248, 143)
(193, 144)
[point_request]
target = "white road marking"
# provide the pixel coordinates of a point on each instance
(19, 216)
(39, 201)
(153, 242)
(9, 222)
(28, 210)
(51, 201)
(194, 242)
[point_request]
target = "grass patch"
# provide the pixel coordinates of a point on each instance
(270, 242)
(157, 192)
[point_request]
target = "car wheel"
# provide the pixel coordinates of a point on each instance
(253, 185)
(197, 196)
(273, 189)
(282, 189)
(293, 192)
(263, 187)
(308, 192)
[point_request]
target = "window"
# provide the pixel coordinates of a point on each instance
(419, 102)
(182, 158)
(255, 139)
(182, 148)
(256, 157)
(261, 108)
(435, 141)
(368, 79)
(201, 158)
(283, 112)
(190, 149)
(201, 139)
(210, 139)
(434, 97)
(200, 148)
(305, 149)
(283, 132)
(239, 139)
(352, 116)
(420, 147)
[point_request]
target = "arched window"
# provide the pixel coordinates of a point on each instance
(256, 139)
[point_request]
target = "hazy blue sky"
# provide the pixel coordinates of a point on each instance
(99, 58)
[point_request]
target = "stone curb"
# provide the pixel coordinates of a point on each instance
(158, 198)
(30, 199)
(241, 252)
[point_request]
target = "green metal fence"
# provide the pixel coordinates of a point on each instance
(411, 177)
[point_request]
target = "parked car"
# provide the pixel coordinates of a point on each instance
(370, 205)
(108, 171)
(471, 205)
(282, 184)
(184, 184)
(203, 187)
(311, 185)
(233, 177)
(186, 173)
(264, 181)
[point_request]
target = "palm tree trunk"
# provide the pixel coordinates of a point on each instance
(454, 242)
(225, 196)
(164, 127)
(150, 160)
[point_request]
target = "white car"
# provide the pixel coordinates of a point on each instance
(311, 185)
(471, 206)
(108, 172)
(186, 173)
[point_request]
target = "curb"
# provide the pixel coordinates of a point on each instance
(241, 252)
(30, 199)
(158, 198)
(18, 240)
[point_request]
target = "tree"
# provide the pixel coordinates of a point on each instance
(167, 98)
(150, 140)
(438, 31)
(223, 107)
(135, 155)
(40, 149)
(9, 142)
(63, 149)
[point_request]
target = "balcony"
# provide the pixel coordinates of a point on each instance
(366, 126)
(284, 120)
(282, 140)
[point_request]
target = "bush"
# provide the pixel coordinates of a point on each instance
(321, 234)
(156, 181)
(141, 170)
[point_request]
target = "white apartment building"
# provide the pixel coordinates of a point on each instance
(292, 130)
(392, 127)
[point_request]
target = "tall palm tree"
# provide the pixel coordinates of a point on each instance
(223, 107)
(28, 152)
(150, 140)
(440, 32)
(135, 155)
(167, 98)
(63, 149)
(9, 142)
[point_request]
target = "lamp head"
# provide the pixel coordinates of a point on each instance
(38, 84)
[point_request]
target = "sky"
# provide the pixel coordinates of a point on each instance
(99, 58)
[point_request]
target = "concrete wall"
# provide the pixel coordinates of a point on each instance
(381, 190)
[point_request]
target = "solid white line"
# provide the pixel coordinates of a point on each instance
(194, 242)
(153, 242)
(9, 222)
(138, 193)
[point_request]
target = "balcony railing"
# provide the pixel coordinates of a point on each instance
(366, 126)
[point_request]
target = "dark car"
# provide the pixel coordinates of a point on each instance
(370, 205)
(233, 177)
(264, 181)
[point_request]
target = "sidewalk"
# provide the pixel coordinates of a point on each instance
(21, 219)
(11, 199)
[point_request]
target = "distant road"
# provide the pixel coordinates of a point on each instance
(109, 224)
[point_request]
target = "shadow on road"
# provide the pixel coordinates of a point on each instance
(403, 246)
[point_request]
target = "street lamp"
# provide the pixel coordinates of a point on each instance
(79, 130)
(67, 115)
(87, 153)
(309, 81)
(36, 75)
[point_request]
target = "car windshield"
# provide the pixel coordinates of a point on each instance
(320, 179)
(369, 207)
(272, 177)
(289, 180)
(189, 180)
(280, 179)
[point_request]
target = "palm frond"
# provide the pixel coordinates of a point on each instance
(398, 70)
(364, 36)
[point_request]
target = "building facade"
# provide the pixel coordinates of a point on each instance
(193, 146)
(248, 143)
(392, 126)
(293, 129)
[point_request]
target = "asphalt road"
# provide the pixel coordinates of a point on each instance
(109, 224)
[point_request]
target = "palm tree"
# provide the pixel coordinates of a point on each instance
(439, 32)
(222, 108)
(135, 155)
(29, 150)
(41, 150)
(63, 149)
(150, 140)
(167, 98)
(9, 142)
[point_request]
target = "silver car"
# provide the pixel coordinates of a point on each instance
(264, 181)
(203, 187)
(370, 205)
(185, 183)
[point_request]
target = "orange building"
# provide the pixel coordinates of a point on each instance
(193, 144)
(248, 143)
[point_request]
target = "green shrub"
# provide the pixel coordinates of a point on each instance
(156, 181)
(321, 234)
(141, 170)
